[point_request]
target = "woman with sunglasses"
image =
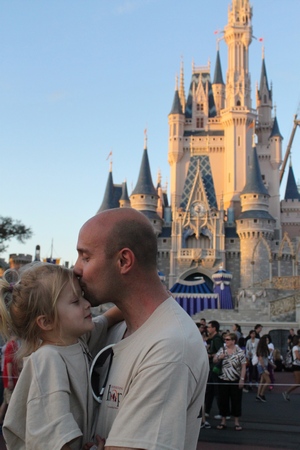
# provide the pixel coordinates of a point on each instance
(232, 380)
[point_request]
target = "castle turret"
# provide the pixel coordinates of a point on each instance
(144, 196)
(255, 226)
(218, 86)
(238, 37)
(290, 207)
(175, 154)
(264, 98)
(112, 194)
(291, 190)
(124, 200)
(238, 115)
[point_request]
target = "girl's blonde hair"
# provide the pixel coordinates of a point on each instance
(35, 294)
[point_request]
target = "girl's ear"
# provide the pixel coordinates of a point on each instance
(44, 323)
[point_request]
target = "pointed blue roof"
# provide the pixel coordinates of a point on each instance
(176, 107)
(254, 181)
(124, 195)
(291, 191)
(218, 77)
(144, 184)
(264, 77)
(111, 196)
(275, 130)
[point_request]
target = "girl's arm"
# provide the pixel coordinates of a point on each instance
(113, 316)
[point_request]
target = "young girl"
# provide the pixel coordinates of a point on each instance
(52, 405)
(263, 353)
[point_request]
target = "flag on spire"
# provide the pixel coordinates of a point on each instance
(110, 154)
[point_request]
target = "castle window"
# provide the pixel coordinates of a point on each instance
(199, 122)
(255, 220)
(239, 141)
(238, 103)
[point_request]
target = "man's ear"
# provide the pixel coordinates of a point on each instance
(44, 323)
(126, 260)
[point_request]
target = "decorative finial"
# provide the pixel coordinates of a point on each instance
(145, 138)
(109, 156)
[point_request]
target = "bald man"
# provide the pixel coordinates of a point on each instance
(158, 376)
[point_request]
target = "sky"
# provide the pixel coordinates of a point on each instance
(82, 78)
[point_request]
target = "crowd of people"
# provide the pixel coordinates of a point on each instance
(240, 364)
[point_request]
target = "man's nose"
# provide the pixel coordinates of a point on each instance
(77, 269)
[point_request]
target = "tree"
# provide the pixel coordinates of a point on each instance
(9, 229)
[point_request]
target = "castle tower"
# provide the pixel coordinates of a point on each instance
(218, 86)
(124, 200)
(108, 199)
(290, 207)
(144, 196)
(238, 114)
(112, 194)
(175, 154)
(264, 105)
(269, 145)
(255, 227)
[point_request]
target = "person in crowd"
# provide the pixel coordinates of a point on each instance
(278, 360)
(52, 404)
(157, 378)
(271, 365)
(258, 329)
(263, 353)
(295, 367)
(232, 380)
(250, 351)
(202, 330)
(10, 373)
(215, 343)
(236, 328)
(290, 338)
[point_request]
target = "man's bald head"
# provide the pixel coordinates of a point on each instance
(125, 228)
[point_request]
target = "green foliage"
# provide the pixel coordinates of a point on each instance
(9, 229)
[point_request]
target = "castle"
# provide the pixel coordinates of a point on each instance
(225, 157)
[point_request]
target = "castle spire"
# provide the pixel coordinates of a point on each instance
(181, 88)
(108, 199)
(254, 183)
(238, 37)
(218, 77)
(291, 191)
(144, 184)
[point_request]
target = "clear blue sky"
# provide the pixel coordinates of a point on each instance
(79, 78)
